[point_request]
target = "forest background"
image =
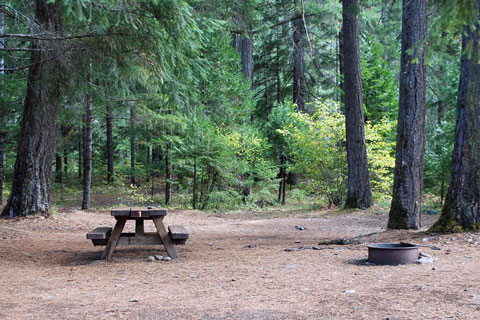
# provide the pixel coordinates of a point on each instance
(220, 105)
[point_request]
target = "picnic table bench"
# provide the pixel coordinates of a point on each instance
(105, 236)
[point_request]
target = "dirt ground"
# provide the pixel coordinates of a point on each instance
(234, 267)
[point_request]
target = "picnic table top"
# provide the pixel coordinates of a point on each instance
(139, 212)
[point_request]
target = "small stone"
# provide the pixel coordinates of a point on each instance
(150, 258)
(298, 241)
(234, 279)
(367, 263)
(299, 227)
(48, 297)
(193, 276)
(436, 248)
(240, 239)
(119, 286)
(304, 248)
(158, 257)
(254, 245)
(468, 257)
(317, 248)
(134, 300)
(470, 240)
(425, 239)
(424, 260)
(434, 268)
(434, 234)
(449, 251)
(476, 296)
(166, 259)
(421, 287)
(147, 270)
(423, 254)
(291, 266)
(350, 291)
(290, 249)
(453, 238)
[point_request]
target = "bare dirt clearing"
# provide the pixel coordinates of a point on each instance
(234, 267)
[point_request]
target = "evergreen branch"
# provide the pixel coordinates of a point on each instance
(273, 26)
(27, 66)
(42, 37)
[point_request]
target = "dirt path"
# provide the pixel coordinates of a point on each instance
(234, 267)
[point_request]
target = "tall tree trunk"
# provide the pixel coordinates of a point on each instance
(36, 142)
(109, 120)
(58, 168)
(194, 188)
(277, 74)
(461, 210)
(80, 153)
(406, 203)
(341, 62)
(132, 144)
(65, 164)
(247, 57)
(2, 166)
(2, 112)
(243, 44)
(87, 157)
(298, 75)
(168, 175)
(359, 191)
(282, 184)
(284, 178)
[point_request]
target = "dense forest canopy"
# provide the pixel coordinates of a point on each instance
(239, 104)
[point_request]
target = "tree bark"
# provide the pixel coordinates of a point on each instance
(168, 176)
(298, 75)
(109, 120)
(359, 193)
(243, 44)
(87, 157)
(65, 164)
(80, 153)
(406, 203)
(36, 142)
(194, 187)
(341, 62)
(58, 168)
(461, 210)
(2, 165)
(282, 184)
(132, 144)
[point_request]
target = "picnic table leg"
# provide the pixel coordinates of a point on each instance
(139, 228)
(113, 240)
(167, 242)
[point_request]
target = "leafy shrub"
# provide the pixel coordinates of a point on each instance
(320, 152)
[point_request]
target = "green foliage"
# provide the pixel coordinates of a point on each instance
(381, 162)
(174, 61)
(320, 154)
(380, 92)
(319, 150)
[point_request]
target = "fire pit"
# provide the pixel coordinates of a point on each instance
(392, 253)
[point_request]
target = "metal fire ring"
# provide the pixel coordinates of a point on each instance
(392, 253)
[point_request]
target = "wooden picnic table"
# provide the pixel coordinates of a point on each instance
(105, 236)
